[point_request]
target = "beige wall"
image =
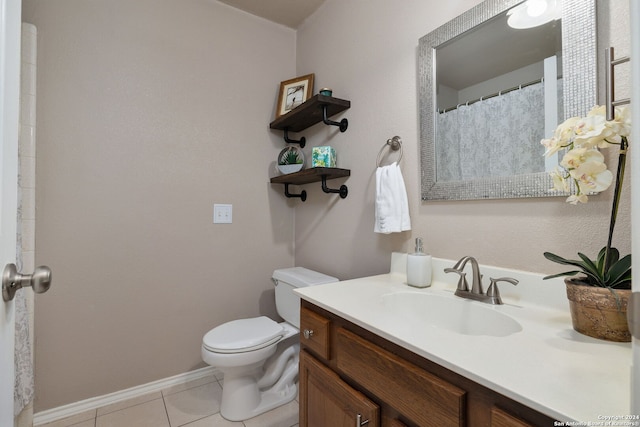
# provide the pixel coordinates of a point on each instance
(149, 112)
(366, 52)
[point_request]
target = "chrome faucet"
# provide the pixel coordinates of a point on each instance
(477, 293)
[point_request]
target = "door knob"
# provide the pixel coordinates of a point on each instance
(40, 280)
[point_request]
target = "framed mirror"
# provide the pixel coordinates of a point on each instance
(488, 93)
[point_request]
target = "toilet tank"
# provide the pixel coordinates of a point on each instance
(288, 279)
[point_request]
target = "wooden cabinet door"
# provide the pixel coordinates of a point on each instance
(327, 401)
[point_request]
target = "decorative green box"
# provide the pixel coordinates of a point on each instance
(323, 157)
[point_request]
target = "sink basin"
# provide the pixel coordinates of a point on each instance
(452, 313)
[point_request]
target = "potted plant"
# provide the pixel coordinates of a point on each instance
(598, 298)
(290, 160)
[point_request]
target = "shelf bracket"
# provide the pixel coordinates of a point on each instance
(343, 190)
(302, 196)
(302, 140)
(342, 124)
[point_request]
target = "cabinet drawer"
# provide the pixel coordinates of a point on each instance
(500, 418)
(314, 332)
(422, 397)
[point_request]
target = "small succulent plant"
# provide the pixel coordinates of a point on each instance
(291, 157)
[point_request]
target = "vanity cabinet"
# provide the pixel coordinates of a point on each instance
(346, 370)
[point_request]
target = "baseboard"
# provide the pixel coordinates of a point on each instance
(55, 414)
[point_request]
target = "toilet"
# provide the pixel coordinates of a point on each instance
(259, 356)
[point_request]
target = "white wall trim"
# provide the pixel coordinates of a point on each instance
(55, 414)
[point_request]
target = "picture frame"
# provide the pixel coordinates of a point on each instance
(294, 92)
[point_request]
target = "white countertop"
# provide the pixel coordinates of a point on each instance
(546, 366)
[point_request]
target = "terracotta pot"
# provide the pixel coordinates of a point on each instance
(596, 312)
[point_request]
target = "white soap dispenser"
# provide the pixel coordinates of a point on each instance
(419, 267)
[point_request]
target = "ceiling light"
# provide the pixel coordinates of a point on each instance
(533, 13)
(536, 7)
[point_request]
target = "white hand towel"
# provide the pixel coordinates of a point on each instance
(392, 205)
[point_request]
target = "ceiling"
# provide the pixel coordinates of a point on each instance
(290, 13)
(493, 49)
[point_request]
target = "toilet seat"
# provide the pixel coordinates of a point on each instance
(243, 335)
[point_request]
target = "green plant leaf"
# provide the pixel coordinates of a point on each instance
(600, 260)
(558, 259)
(624, 282)
(591, 270)
(566, 273)
(593, 276)
(590, 265)
(614, 255)
(620, 272)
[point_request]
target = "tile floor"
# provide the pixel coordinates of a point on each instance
(194, 404)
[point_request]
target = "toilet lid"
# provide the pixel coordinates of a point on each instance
(243, 335)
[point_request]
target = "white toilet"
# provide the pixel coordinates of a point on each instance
(258, 356)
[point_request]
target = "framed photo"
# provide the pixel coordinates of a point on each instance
(293, 93)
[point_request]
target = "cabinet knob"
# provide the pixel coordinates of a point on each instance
(308, 333)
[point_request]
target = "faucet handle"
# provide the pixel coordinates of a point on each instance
(493, 290)
(462, 281)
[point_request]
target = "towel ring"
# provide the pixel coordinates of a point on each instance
(395, 144)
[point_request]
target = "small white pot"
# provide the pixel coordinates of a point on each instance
(290, 168)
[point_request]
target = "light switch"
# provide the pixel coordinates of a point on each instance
(222, 214)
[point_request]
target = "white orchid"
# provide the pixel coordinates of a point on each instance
(559, 182)
(582, 163)
(562, 138)
(592, 177)
(578, 156)
(590, 132)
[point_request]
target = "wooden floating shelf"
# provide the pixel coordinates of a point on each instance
(310, 112)
(307, 176)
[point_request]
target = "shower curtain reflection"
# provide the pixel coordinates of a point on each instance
(495, 137)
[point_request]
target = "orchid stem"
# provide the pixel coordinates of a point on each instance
(616, 198)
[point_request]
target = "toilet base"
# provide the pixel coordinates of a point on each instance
(268, 400)
(243, 397)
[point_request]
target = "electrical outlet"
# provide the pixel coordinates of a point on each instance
(222, 214)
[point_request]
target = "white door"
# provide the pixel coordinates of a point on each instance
(10, 18)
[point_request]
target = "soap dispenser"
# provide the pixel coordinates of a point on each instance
(419, 267)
